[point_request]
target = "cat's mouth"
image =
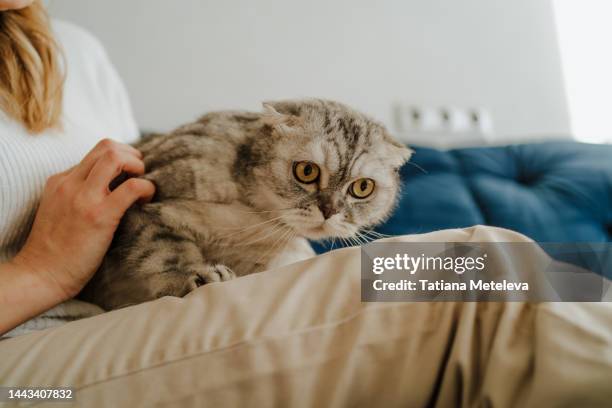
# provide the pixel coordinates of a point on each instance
(317, 228)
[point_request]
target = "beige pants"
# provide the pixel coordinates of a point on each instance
(299, 336)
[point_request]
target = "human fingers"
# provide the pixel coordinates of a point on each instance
(128, 192)
(83, 169)
(109, 166)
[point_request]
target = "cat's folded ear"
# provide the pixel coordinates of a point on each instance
(289, 108)
(281, 113)
(271, 115)
(397, 153)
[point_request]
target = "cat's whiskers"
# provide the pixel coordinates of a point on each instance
(418, 167)
(266, 211)
(274, 246)
(333, 241)
(369, 232)
(266, 230)
(227, 247)
(251, 237)
(249, 227)
(367, 239)
(371, 238)
(375, 233)
(344, 242)
(359, 239)
(273, 230)
(280, 209)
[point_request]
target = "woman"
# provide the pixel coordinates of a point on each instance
(54, 107)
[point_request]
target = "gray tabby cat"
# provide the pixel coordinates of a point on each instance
(240, 192)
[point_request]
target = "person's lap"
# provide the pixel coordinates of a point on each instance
(300, 336)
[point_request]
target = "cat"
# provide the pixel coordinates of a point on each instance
(241, 192)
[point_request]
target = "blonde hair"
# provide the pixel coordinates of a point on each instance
(31, 75)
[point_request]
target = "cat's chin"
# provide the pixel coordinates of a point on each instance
(322, 231)
(315, 233)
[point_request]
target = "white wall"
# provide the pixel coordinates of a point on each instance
(585, 31)
(182, 58)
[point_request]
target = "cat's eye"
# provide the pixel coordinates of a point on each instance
(306, 172)
(362, 188)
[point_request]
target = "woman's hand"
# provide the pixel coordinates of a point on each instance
(78, 216)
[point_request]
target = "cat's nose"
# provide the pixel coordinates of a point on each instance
(327, 209)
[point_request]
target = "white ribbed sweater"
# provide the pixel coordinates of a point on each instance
(95, 106)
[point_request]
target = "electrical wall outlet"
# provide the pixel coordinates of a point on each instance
(443, 125)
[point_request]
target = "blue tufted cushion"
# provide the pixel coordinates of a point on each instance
(551, 192)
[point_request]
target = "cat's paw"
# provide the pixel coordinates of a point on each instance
(210, 274)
